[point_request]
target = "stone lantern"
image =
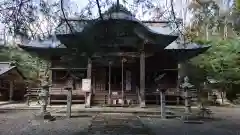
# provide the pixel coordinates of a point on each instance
(162, 101)
(186, 86)
(43, 97)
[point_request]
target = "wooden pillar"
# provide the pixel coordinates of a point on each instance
(50, 73)
(178, 84)
(11, 89)
(89, 76)
(28, 97)
(162, 98)
(122, 83)
(142, 79)
(69, 102)
(109, 83)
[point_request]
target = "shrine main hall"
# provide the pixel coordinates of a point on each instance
(127, 61)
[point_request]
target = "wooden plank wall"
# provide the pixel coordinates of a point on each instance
(100, 80)
(99, 86)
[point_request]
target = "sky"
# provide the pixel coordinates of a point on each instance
(78, 5)
(180, 7)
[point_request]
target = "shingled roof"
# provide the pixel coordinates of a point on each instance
(6, 67)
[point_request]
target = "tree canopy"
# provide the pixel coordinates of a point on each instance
(222, 60)
(29, 64)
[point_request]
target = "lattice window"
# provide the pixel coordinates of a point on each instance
(59, 75)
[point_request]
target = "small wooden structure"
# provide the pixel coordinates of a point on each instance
(12, 85)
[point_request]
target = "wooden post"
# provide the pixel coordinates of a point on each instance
(178, 84)
(69, 102)
(11, 89)
(142, 79)
(162, 98)
(109, 83)
(50, 79)
(28, 98)
(89, 76)
(187, 102)
(122, 83)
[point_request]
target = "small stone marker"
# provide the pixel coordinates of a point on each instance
(162, 97)
(69, 101)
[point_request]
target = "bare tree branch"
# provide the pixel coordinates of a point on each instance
(175, 21)
(99, 9)
(70, 28)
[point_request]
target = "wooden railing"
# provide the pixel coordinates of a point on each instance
(101, 97)
(32, 93)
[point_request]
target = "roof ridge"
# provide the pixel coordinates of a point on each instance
(5, 62)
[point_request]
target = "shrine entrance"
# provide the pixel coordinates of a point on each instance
(115, 79)
(120, 83)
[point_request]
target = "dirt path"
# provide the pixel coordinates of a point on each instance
(117, 124)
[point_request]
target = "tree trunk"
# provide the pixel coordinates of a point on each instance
(207, 32)
(222, 97)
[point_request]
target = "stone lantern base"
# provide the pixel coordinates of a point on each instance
(44, 116)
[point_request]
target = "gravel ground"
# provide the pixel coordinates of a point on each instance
(227, 123)
(117, 124)
(177, 127)
(23, 123)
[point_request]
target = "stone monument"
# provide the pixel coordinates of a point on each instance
(43, 99)
(186, 86)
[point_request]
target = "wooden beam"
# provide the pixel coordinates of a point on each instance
(63, 68)
(88, 20)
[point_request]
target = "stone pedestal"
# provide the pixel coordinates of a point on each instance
(88, 100)
(44, 116)
(44, 95)
(186, 86)
(187, 102)
(109, 101)
(142, 104)
(190, 118)
(69, 102)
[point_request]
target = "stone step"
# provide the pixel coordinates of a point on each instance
(117, 111)
(93, 114)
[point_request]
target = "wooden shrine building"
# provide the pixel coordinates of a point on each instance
(12, 85)
(123, 57)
